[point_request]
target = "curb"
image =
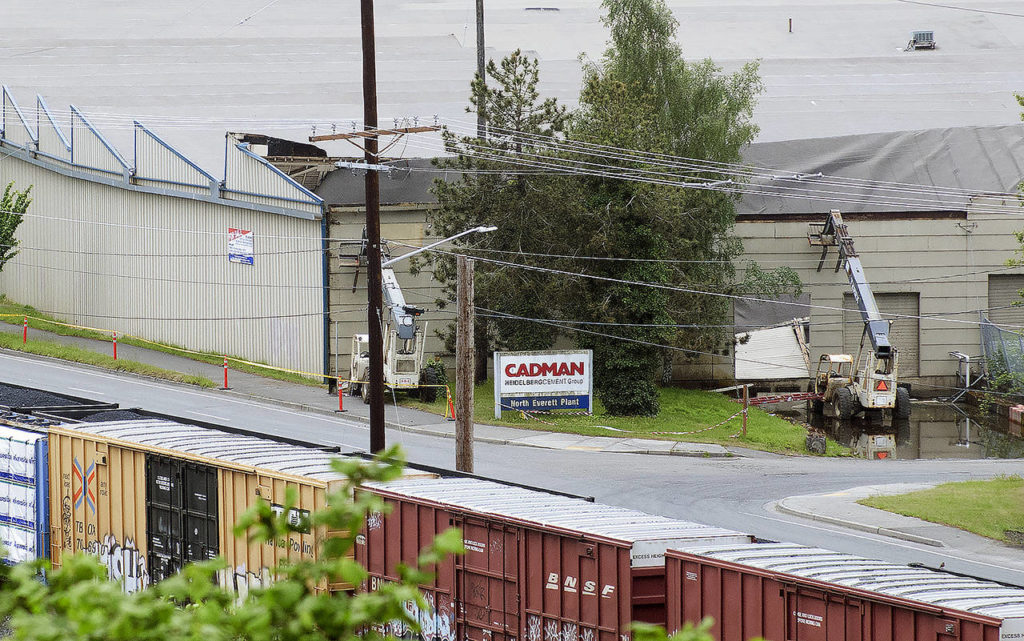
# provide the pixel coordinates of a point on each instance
(781, 506)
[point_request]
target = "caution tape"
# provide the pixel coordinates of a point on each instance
(526, 414)
(706, 429)
(184, 350)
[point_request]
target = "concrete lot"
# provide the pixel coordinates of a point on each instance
(192, 70)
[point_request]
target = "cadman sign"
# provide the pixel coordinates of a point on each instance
(554, 380)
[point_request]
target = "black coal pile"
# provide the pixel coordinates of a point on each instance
(19, 397)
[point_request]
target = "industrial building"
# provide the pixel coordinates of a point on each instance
(159, 248)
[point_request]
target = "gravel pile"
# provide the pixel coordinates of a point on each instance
(18, 397)
(113, 415)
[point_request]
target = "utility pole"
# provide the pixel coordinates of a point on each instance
(481, 69)
(465, 357)
(374, 316)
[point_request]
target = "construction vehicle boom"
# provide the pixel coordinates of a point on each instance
(873, 384)
(404, 342)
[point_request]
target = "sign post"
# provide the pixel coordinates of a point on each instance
(543, 381)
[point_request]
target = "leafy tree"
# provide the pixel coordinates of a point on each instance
(526, 205)
(643, 95)
(13, 205)
(77, 602)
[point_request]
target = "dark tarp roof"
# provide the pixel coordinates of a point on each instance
(977, 159)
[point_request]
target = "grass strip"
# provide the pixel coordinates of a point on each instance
(79, 355)
(988, 508)
(8, 306)
(682, 410)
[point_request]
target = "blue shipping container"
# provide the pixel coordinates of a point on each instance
(24, 495)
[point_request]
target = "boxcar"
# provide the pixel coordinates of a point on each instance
(538, 566)
(786, 592)
(148, 496)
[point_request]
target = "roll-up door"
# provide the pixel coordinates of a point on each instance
(905, 334)
(1003, 292)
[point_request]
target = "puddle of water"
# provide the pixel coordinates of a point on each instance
(933, 431)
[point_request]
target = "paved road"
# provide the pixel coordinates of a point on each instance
(735, 492)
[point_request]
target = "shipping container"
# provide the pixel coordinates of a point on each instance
(148, 496)
(24, 501)
(538, 566)
(787, 592)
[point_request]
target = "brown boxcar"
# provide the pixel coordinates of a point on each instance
(538, 566)
(786, 592)
(148, 496)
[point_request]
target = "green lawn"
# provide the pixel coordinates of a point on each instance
(78, 355)
(682, 410)
(13, 313)
(988, 508)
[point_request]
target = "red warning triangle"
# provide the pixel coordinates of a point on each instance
(881, 387)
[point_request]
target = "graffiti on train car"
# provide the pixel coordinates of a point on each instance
(239, 580)
(124, 562)
(436, 621)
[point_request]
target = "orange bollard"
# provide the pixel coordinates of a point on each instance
(115, 346)
(341, 404)
(24, 332)
(225, 373)
(451, 406)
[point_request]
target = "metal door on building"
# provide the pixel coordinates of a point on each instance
(487, 582)
(181, 514)
(904, 334)
(1003, 294)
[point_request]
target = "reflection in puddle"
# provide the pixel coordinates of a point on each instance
(934, 430)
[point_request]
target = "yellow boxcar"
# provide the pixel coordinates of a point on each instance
(148, 496)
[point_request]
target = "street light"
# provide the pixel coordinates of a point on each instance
(480, 229)
(376, 382)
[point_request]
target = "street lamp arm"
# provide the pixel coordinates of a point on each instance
(481, 229)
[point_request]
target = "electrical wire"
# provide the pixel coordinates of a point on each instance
(633, 174)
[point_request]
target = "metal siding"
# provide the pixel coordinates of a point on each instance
(251, 180)
(148, 265)
(158, 164)
(114, 526)
(15, 129)
(757, 601)
(52, 140)
(1003, 294)
(904, 334)
(90, 151)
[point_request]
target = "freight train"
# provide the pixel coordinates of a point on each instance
(147, 495)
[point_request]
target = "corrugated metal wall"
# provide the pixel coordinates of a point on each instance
(52, 141)
(15, 127)
(148, 255)
(91, 151)
(159, 164)
(251, 178)
(157, 267)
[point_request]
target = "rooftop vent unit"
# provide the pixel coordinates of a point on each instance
(921, 40)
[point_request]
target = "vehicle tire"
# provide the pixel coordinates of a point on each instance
(428, 376)
(902, 409)
(818, 406)
(355, 389)
(844, 403)
(364, 391)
